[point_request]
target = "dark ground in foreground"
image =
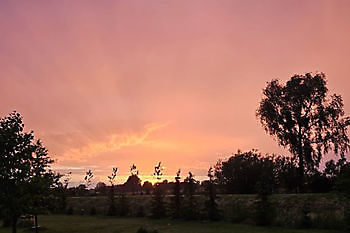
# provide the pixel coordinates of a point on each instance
(102, 224)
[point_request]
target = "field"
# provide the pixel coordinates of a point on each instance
(100, 224)
(325, 210)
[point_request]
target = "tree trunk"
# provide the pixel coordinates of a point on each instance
(301, 174)
(301, 161)
(14, 224)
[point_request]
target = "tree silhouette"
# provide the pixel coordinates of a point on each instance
(242, 171)
(158, 206)
(158, 171)
(133, 170)
(305, 119)
(25, 177)
(62, 190)
(211, 206)
(177, 196)
(190, 211)
(88, 178)
(133, 182)
(112, 209)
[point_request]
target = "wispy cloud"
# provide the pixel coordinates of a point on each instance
(113, 143)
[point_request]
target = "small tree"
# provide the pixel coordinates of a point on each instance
(305, 119)
(133, 182)
(158, 205)
(88, 179)
(211, 206)
(112, 209)
(25, 177)
(176, 204)
(133, 170)
(190, 210)
(62, 190)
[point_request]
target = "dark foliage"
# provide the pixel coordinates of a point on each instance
(241, 172)
(158, 205)
(305, 119)
(264, 212)
(147, 187)
(211, 206)
(133, 184)
(25, 177)
(112, 210)
(101, 188)
(190, 207)
(177, 198)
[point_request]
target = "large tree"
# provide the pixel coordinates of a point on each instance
(25, 177)
(304, 118)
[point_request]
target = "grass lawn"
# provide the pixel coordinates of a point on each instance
(101, 224)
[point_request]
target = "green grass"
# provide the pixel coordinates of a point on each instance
(101, 224)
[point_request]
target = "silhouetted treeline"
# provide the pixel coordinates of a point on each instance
(239, 174)
(243, 172)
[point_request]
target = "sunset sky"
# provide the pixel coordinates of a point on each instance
(110, 83)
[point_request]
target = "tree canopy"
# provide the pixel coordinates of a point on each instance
(25, 177)
(305, 118)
